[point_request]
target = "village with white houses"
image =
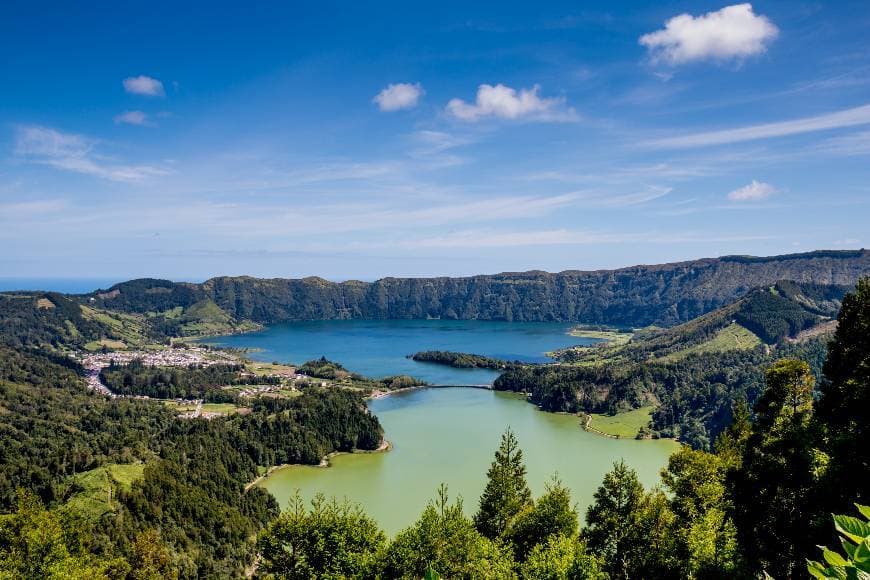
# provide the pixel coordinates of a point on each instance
(278, 380)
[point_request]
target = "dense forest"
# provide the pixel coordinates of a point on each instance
(189, 503)
(692, 373)
(694, 395)
(37, 319)
(637, 296)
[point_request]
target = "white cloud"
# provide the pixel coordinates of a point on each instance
(755, 191)
(506, 103)
(732, 33)
(845, 118)
(75, 153)
(399, 96)
(132, 118)
(143, 85)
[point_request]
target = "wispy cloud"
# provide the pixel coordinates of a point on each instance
(132, 118)
(21, 209)
(504, 102)
(72, 152)
(732, 33)
(598, 199)
(399, 96)
(754, 191)
(845, 118)
(857, 143)
(143, 85)
(434, 148)
(564, 237)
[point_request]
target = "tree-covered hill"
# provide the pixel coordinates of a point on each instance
(694, 372)
(637, 296)
(771, 314)
(45, 318)
(185, 479)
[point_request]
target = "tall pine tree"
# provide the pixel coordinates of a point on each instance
(506, 493)
(843, 410)
(771, 491)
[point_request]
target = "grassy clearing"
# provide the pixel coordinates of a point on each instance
(97, 489)
(622, 424)
(97, 345)
(220, 408)
(732, 337)
(180, 407)
(614, 337)
(263, 369)
(125, 327)
(124, 474)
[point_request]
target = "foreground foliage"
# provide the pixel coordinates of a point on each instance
(331, 540)
(855, 540)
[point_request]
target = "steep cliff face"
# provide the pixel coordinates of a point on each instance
(664, 294)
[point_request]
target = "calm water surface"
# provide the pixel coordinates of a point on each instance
(449, 435)
(378, 348)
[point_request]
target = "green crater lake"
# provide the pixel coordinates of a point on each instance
(449, 435)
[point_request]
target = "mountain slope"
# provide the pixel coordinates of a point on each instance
(666, 294)
(694, 372)
(767, 315)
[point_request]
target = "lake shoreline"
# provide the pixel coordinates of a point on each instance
(384, 447)
(378, 394)
(379, 348)
(429, 425)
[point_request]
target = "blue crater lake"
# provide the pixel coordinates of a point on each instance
(379, 348)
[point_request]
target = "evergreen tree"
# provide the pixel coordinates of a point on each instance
(772, 489)
(609, 518)
(331, 540)
(552, 515)
(706, 542)
(444, 543)
(506, 493)
(648, 545)
(843, 410)
(562, 558)
(730, 445)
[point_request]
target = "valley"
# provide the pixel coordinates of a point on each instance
(144, 384)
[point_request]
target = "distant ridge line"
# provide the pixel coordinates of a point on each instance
(662, 294)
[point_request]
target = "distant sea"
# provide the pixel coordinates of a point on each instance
(65, 285)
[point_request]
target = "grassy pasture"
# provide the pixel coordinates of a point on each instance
(732, 337)
(624, 425)
(97, 489)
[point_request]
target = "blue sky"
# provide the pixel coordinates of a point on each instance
(355, 141)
